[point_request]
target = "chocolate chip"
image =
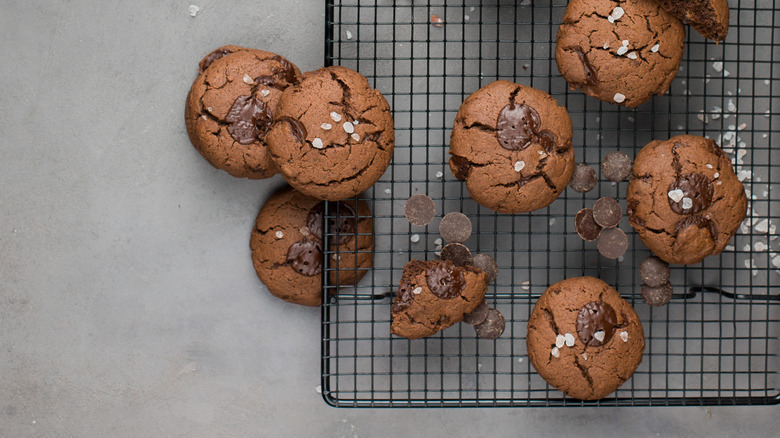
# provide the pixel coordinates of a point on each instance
(455, 227)
(345, 228)
(596, 319)
(460, 167)
(657, 296)
(487, 264)
(445, 280)
(586, 227)
(696, 188)
(612, 243)
(248, 119)
(492, 327)
(584, 178)
(590, 73)
(457, 254)
(305, 257)
(607, 212)
(211, 57)
(477, 315)
(616, 166)
(517, 126)
(419, 210)
(654, 272)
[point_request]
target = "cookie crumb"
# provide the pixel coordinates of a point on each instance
(519, 165)
(349, 128)
(560, 340)
(415, 238)
(417, 290)
(279, 234)
(619, 98)
(317, 143)
(335, 116)
(194, 10)
(655, 48)
(569, 339)
(624, 336)
(437, 21)
(555, 352)
(326, 126)
(676, 195)
(599, 335)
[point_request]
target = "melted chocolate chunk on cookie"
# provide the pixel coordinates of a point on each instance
(697, 188)
(249, 119)
(590, 73)
(345, 225)
(287, 73)
(305, 257)
(211, 57)
(517, 126)
(698, 221)
(460, 167)
(445, 280)
(298, 130)
(594, 318)
(403, 298)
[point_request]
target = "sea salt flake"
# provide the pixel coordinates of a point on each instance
(194, 10)
(776, 261)
(318, 389)
(439, 174)
(716, 175)
(762, 226)
(617, 13)
(625, 43)
(248, 79)
(348, 34)
(417, 290)
(349, 127)
(388, 191)
(622, 50)
(519, 166)
(355, 136)
(415, 238)
(525, 285)
(611, 19)
(569, 339)
(326, 126)
(279, 234)
(265, 93)
(555, 352)
(606, 45)
(687, 203)
(585, 356)
(718, 65)
(624, 336)
(742, 126)
(744, 174)
(560, 340)
(655, 48)
(619, 98)
(632, 55)
(335, 116)
(599, 335)
(730, 107)
(317, 143)
(709, 166)
(759, 246)
(676, 195)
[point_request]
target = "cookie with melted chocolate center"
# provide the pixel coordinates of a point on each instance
(287, 241)
(511, 144)
(231, 105)
(583, 338)
(684, 199)
(434, 295)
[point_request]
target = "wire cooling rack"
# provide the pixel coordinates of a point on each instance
(716, 343)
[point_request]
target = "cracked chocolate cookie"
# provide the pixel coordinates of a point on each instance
(684, 199)
(709, 17)
(511, 144)
(230, 108)
(583, 338)
(620, 52)
(333, 136)
(286, 245)
(434, 295)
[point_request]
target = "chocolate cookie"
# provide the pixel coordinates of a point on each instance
(684, 199)
(435, 295)
(286, 245)
(511, 144)
(583, 338)
(333, 136)
(709, 17)
(619, 51)
(230, 108)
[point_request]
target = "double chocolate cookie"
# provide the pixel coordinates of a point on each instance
(684, 199)
(511, 144)
(434, 295)
(231, 105)
(619, 51)
(287, 247)
(583, 338)
(333, 136)
(709, 17)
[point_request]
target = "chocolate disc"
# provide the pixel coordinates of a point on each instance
(492, 327)
(586, 227)
(607, 212)
(657, 296)
(455, 227)
(612, 243)
(477, 315)
(616, 166)
(654, 272)
(419, 210)
(584, 178)
(305, 257)
(458, 254)
(596, 323)
(487, 264)
(445, 280)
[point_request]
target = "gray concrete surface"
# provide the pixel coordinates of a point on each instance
(128, 302)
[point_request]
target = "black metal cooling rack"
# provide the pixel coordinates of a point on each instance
(716, 343)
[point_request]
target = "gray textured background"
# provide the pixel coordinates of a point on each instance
(128, 302)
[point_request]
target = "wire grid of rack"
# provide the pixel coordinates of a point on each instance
(716, 343)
